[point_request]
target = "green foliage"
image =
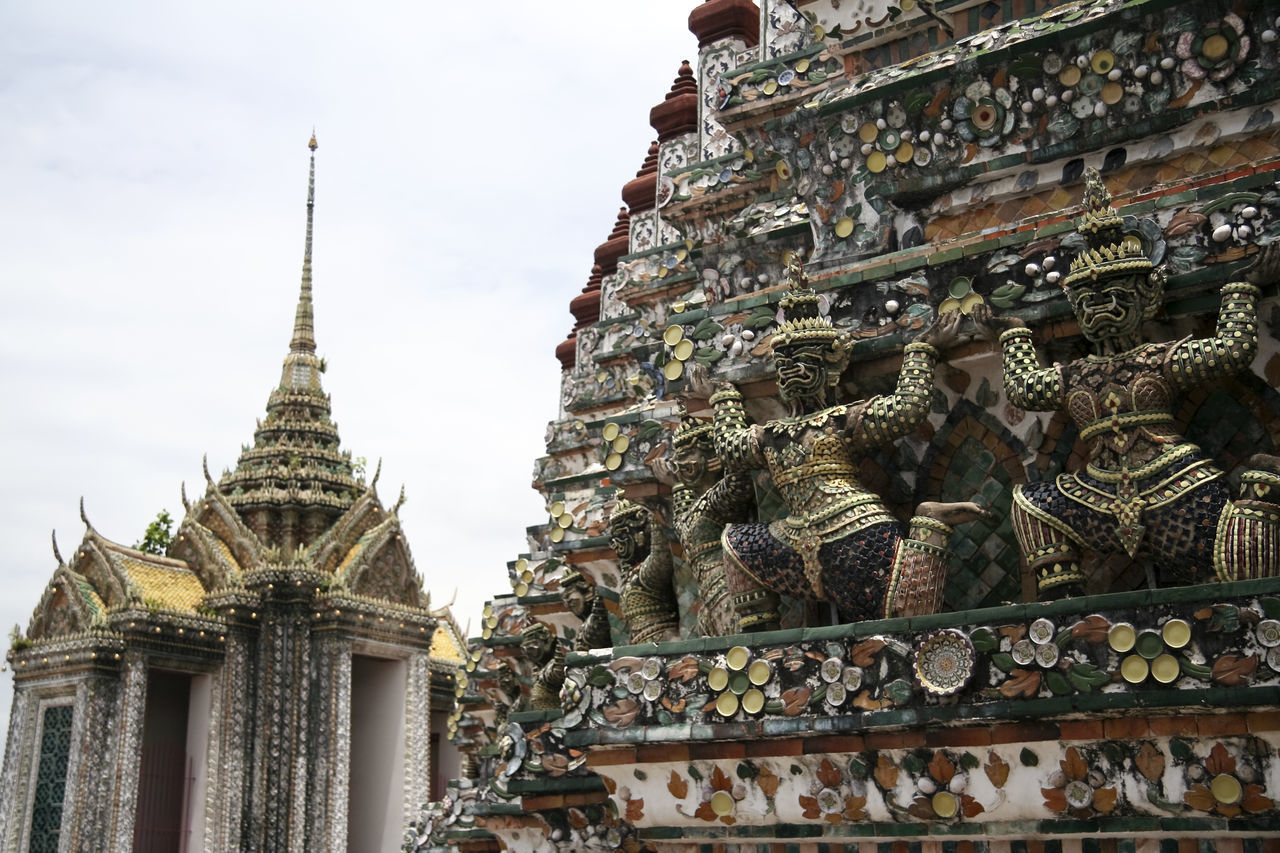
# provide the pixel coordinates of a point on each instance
(17, 642)
(158, 535)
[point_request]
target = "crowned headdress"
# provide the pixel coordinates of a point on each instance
(625, 510)
(572, 578)
(691, 431)
(535, 629)
(803, 322)
(1109, 253)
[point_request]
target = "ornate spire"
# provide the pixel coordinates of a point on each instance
(301, 367)
(304, 332)
(295, 480)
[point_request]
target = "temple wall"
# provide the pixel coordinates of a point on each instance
(924, 161)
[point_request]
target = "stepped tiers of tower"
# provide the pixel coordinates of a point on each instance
(920, 446)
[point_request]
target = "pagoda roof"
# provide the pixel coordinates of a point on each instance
(295, 461)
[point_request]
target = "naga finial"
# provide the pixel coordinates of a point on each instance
(53, 536)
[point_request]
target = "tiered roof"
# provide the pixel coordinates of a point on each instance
(295, 462)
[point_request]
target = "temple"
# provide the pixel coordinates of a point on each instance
(914, 488)
(273, 679)
(917, 443)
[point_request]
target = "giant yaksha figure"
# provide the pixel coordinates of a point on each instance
(545, 656)
(648, 598)
(705, 500)
(581, 598)
(839, 542)
(1146, 490)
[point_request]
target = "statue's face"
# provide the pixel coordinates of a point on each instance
(628, 539)
(507, 681)
(1111, 310)
(576, 599)
(689, 463)
(801, 370)
(536, 647)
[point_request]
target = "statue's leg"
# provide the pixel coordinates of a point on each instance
(1248, 540)
(919, 569)
(756, 568)
(1048, 544)
(715, 615)
(856, 570)
(1181, 534)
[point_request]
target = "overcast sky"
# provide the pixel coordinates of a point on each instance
(153, 171)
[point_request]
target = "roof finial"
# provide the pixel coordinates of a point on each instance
(304, 335)
(56, 552)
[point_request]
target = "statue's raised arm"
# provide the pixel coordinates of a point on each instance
(1235, 342)
(1146, 491)
(838, 542)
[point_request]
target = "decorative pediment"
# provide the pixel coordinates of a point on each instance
(448, 644)
(335, 545)
(379, 565)
(207, 555)
(70, 605)
(216, 514)
(92, 562)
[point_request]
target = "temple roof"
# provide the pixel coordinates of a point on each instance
(166, 583)
(445, 645)
(295, 461)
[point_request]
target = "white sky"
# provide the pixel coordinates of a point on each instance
(153, 171)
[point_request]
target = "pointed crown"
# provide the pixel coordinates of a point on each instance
(1109, 252)
(624, 510)
(535, 629)
(691, 431)
(574, 579)
(803, 323)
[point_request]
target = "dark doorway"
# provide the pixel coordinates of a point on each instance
(164, 775)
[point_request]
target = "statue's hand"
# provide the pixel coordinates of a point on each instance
(943, 332)
(990, 325)
(1265, 268)
(698, 384)
(663, 472)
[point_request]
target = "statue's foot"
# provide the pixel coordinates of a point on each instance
(1264, 462)
(954, 513)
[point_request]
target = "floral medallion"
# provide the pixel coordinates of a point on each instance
(944, 662)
